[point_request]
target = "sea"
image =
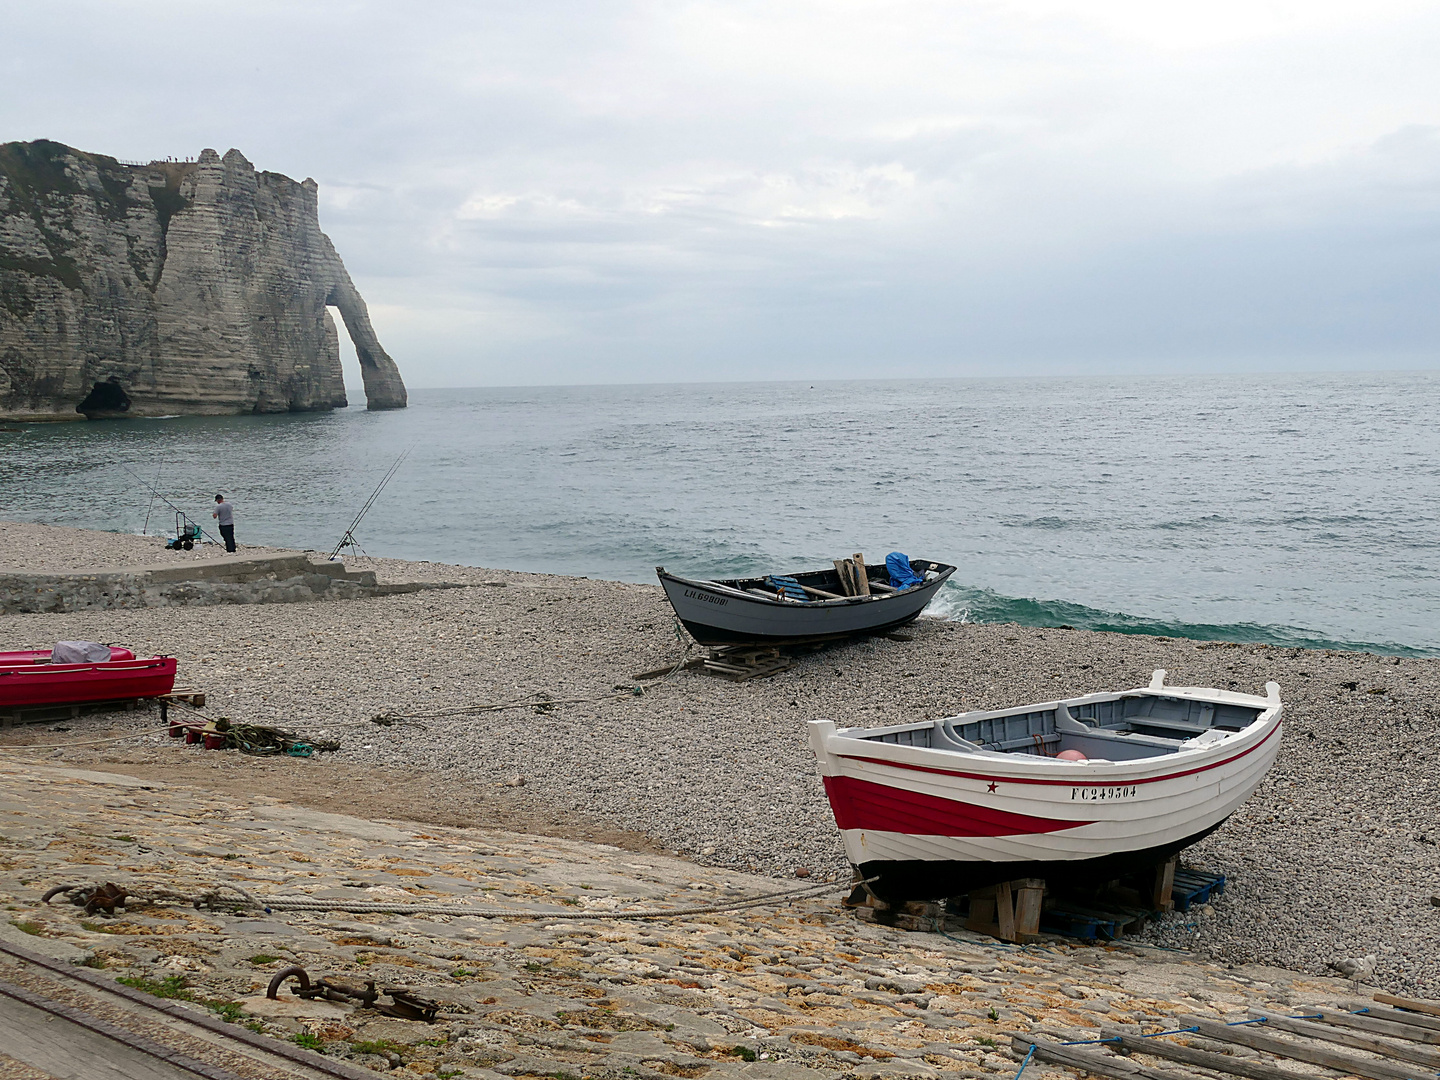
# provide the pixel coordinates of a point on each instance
(1291, 509)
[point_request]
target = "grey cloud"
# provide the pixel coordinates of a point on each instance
(583, 192)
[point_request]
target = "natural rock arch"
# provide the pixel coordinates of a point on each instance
(174, 287)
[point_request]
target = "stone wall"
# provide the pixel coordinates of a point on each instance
(264, 580)
(196, 288)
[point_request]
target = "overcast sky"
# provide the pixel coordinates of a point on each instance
(548, 192)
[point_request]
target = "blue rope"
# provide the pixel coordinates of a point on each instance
(1028, 1056)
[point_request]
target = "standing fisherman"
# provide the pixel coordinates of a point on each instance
(224, 513)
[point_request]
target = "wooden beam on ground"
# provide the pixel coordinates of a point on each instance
(1378, 1026)
(1201, 1059)
(1430, 1008)
(1429, 1058)
(1297, 1051)
(1099, 1064)
(1420, 1020)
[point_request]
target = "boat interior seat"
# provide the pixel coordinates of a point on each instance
(1107, 739)
(1147, 723)
(1039, 743)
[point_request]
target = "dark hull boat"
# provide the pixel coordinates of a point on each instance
(749, 611)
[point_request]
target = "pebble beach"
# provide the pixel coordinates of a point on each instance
(1337, 854)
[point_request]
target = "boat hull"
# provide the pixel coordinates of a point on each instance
(717, 615)
(28, 685)
(934, 822)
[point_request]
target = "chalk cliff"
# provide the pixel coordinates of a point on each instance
(175, 287)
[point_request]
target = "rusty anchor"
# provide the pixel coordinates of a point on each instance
(404, 1005)
(106, 897)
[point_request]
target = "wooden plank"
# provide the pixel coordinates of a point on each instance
(1202, 1059)
(843, 568)
(822, 593)
(1089, 1061)
(862, 576)
(1312, 1030)
(1297, 1051)
(1378, 1026)
(880, 586)
(69, 1042)
(1430, 1008)
(1431, 1023)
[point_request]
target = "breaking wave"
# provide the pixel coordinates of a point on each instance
(963, 603)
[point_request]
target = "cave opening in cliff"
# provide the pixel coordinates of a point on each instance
(105, 398)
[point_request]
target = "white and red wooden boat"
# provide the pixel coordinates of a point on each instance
(31, 679)
(1080, 790)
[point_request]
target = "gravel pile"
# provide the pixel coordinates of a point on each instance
(1335, 856)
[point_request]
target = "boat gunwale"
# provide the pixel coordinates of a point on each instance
(1023, 768)
(721, 585)
(1196, 762)
(1200, 693)
(139, 663)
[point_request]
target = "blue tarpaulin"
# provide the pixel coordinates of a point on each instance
(787, 586)
(897, 566)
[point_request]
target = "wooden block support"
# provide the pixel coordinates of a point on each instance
(1029, 897)
(1160, 896)
(1009, 911)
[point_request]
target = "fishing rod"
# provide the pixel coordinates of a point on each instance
(157, 494)
(348, 540)
(151, 505)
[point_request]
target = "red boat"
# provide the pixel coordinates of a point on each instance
(29, 679)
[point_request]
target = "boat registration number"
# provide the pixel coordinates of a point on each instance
(720, 601)
(1103, 794)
